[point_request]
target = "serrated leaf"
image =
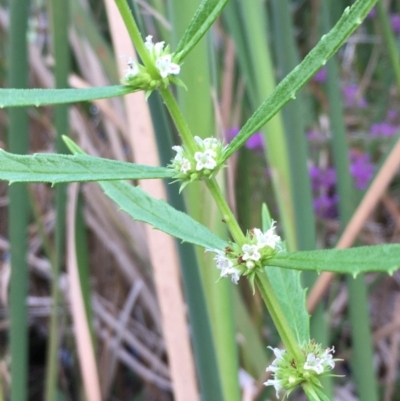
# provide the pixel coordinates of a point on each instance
(292, 299)
(295, 80)
(289, 292)
(143, 207)
(363, 259)
(39, 97)
(205, 15)
(56, 169)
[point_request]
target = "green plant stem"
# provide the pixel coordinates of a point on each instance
(135, 35)
(18, 219)
(234, 228)
(277, 315)
(59, 12)
(227, 214)
(390, 40)
(179, 120)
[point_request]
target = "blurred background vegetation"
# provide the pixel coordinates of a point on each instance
(161, 327)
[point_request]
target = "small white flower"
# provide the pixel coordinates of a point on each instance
(205, 160)
(327, 359)
(149, 43)
(314, 363)
(166, 67)
(269, 238)
(158, 48)
(233, 272)
(279, 353)
(210, 143)
(185, 165)
(276, 383)
(179, 152)
(199, 141)
(226, 265)
(222, 261)
(272, 368)
(132, 70)
(251, 252)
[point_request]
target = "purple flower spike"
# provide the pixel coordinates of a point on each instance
(313, 135)
(322, 179)
(392, 115)
(372, 13)
(320, 76)
(383, 129)
(395, 22)
(361, 169)
(325, 206)
(255, 142)
(231, 133)
(351, 98)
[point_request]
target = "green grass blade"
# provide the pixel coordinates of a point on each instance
(362, 356)
(295, 124)
(40, 97)
(56, 169)
(201, 325)
(17, 75)
(360, 323)
(204, 17)
(390, 40)
(294, 121)
(198, 110)
(363, 259)
(87, 28)
(203, 342)
(287, 89)
(262, 74)
(253, 349)
(59, 12)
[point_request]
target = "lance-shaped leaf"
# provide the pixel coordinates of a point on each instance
(55, 169)
(287, 287)
(376, 258)
(291, 84)
(156, 212)
(205, 15)
(39, 97)
(143, 207)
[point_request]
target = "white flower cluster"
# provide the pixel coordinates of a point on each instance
(260, 246)
(322, 363)
(161, 57)
(203, 162)
(289, 372)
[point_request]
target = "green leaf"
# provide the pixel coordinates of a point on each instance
(55, 169)
(205, 15)
(287, 287)
(314, 392)
(291, 84)
(363, 259)
(39, 97)
(160, 215)
(143, 207)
